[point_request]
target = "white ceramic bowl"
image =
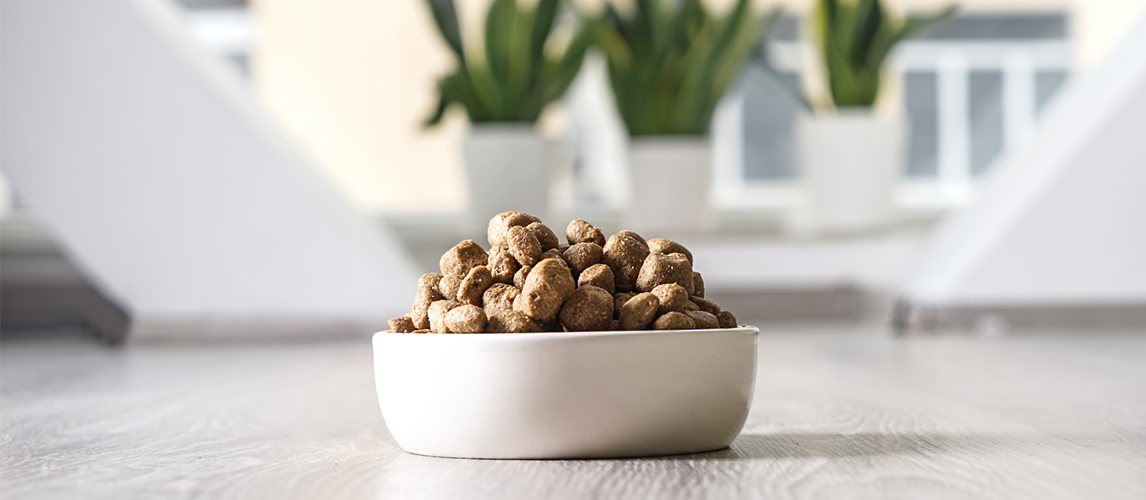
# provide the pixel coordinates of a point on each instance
(565, 395)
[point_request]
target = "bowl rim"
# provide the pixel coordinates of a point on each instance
(540, 336)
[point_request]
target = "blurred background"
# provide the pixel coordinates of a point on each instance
(229, 168)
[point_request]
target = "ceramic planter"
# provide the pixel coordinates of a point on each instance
(670, 177)
(850, 162)
(507, 168)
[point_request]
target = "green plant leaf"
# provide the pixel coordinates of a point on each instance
(869, 18)
(498, 25)
(543, 18)
(912, 26)
(446, 17)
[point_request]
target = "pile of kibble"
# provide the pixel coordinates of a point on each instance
(530, 282)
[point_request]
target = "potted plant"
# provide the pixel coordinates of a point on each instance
(851, 158)
(669, 65)
(504, 86)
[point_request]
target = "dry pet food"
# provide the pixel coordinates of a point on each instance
(529, 281)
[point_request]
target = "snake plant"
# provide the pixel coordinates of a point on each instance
(670, 62)
(519, 72)
(855, 38)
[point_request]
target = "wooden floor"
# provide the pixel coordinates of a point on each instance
(844, 414)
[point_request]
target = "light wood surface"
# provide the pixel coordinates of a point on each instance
(843, 414)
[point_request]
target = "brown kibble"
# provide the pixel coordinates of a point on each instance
(520, 275)
(689, 305)
(706, 305)
(674, 321)
(511, 322)
(464, 256)
(429, 280)
(703, 320)
(402, 324)
(661, 245)
(448, 286)
(546, 288)
(474, 285)
(579, 231)
(619, 300)
(659, 269)
(615, 325)
(502, 264)
(697, 285)
(501, 223)
(588, 309)
(523, 246)
(671, 296)
(563, 247)
(499, 297)
(438, 312)
(726, 319)
(427, 293)
(625, 254)
(639, 311)
(555, 254)
(422, 330)
(583, 255)
(544, 235)
(466, 319)
(598, 275)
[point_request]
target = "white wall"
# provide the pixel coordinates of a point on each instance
(1063, 220)
(149, 161)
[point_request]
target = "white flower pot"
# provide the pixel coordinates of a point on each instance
(507, 168)
(850, 162)
(670, 177)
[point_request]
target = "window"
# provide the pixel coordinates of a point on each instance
(972, 89)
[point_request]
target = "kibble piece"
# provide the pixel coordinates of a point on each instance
(706, 305)
(520, 275)
(427, 293)
(429, 280)
(502, 264)
(501, 223)
(422, 330)
(703, 320)
(499, 296)
(672, 297)
(474, 285)
(553, 253)
(438, 312)
(582, 255)
(588, 309)
(598, 275)
(402, 324)
(511, 322)
(523, 246)
(659, 268)
(448, 286)
(615, 325)
(466, 319)
(689, 306)
(639, 311)
(464, 256)
(578, 231)
(625, 254)
(726, 319)
(544, 235)
(661, 245)
(697, 285)
(619, 300)
(546, 288)
(563, 247)
(674, 321)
